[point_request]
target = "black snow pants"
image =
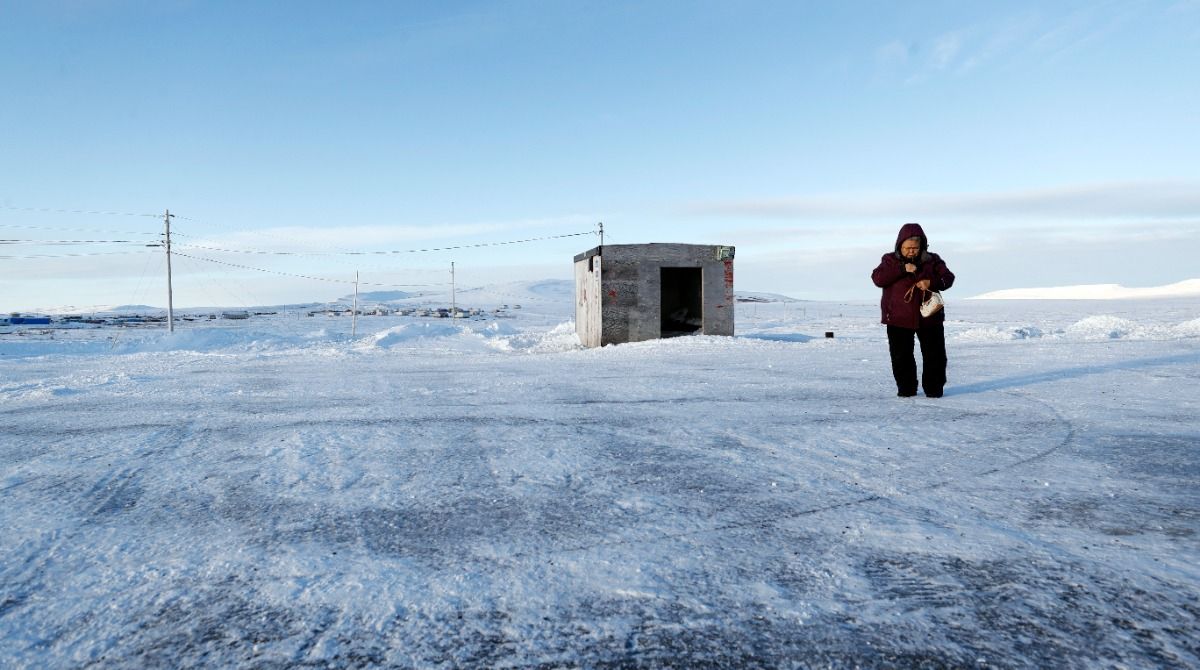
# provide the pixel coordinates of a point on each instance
(932, 336)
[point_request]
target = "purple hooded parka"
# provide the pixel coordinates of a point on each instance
(895, 281)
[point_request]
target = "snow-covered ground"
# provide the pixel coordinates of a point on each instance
(442, 493)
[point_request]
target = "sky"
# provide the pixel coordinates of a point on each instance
(300, 143)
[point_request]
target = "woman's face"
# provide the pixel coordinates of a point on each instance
(911, 247)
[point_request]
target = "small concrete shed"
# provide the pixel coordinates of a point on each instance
(635, 292)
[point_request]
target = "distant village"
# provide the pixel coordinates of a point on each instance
(18, 321)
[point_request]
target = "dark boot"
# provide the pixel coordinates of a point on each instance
(932, 335)
(904, 364)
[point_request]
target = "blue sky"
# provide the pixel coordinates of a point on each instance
(1038, 143)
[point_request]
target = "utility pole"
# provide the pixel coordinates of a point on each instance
(453, 303)
(170, 294)
(354, 311)
(601, 224)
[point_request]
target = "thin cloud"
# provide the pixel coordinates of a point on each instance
(1113, 234)
(892, 54)
(946, 50)
(1105, 200)
(1010, 36)
(966, 48)
(957, 52)
(392, 237)
(759, 241)
(1082, 28)
(335, 238)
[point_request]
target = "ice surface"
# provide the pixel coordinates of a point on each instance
(457, 493)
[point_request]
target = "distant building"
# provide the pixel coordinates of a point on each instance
(17, 319)
(636, 292)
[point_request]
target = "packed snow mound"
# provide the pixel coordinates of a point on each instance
(1106, 327)
(1186, 288)
(1102, 327)
(1091, 328)
(1188, 328)
(999, 334)
(494, 335)
(415, 331)
(560, 338)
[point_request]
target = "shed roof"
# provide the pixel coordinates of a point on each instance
(600, 250)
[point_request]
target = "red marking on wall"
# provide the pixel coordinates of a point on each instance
(729, 280)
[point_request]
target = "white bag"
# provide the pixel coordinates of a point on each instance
(932, 303)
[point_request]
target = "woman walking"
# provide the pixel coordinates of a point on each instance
(906, 275)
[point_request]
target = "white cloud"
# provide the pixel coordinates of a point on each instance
(1149, 200)
(946, 50)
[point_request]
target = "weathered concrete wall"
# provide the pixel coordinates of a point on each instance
(621, 285)
(588, 300)
(631, 289)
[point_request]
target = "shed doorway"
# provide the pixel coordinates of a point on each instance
(682, 301)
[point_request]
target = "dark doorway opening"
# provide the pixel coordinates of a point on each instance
(682, 301)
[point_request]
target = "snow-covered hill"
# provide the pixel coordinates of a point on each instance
(758, 297)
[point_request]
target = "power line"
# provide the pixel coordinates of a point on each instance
(70, 242)
(78, 230)
(382, 253)
(138, 292)
(228, 283)
(98, 253)
(205, 282)
(289, 274)
(74, 211)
